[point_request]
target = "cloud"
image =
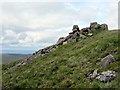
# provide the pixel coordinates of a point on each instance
(37, 25)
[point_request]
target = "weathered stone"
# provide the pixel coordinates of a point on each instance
(61, 40)
(104, 27)
(82, 36)
(85, 31)
(107, 60)
(94, 26)
(90, 34)
(64, 42)
(91, 75)
(75, 28)
(106, 76)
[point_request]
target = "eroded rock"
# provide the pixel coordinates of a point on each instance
(107, 60)
(106, 76)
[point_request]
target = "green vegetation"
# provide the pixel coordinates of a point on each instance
(67, 66)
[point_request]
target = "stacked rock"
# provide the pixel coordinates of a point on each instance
(72, 37)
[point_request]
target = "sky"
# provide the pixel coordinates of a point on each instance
(28, 26)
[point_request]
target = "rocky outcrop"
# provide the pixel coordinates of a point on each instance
(106, 76)
(38, 54)
(93, 27)
(73, 36)
(107, 60)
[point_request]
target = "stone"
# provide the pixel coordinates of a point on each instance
(64, 42)
(104, 27)
(82, 36)
(106, 76)
(91, 75)
(90, 34)
(61, 40)
(75, 28)
(94, 26)
(85, 31)
(107, 60)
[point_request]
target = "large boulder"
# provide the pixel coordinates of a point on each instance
(103, 27)
(75, 28)
(85, 31)
(61, 40)
(94, 26)
(106, 76)
(107, 60)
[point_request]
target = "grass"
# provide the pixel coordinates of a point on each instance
(67, 65)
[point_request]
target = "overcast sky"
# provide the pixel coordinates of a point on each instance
(30, 26)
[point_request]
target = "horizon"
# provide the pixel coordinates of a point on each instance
(30, 26)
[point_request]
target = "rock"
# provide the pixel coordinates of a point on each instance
(64, 42)
(82, 36)
(104, 27)
(94, 26)
(91, 75)
(75, 28)
(85, 31)
(61, 40)
(107, 60)
(90, 34)
(106, 76)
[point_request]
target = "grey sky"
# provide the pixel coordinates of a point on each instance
(34, 25)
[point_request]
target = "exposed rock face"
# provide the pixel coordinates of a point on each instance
(107, 60)
(106, 76)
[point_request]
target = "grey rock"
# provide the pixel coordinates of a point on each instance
(85, 31)
(75, 28)
(104, 27)
(106, 76)
(107, 60)
(61, 40)
(91, 75)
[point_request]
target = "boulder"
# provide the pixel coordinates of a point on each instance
(94, 26)
(106, 76)
(61, 40)
(107, 60)
(85, 31)
(75, 28)
(91, 75)
(103, 27)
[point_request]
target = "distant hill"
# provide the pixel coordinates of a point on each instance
(12, 57)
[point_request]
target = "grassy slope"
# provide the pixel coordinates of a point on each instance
(67, 65)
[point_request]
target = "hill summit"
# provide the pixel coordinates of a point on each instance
(86, 58)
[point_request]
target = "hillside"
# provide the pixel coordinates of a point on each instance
(12, 57)
(68, 65)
